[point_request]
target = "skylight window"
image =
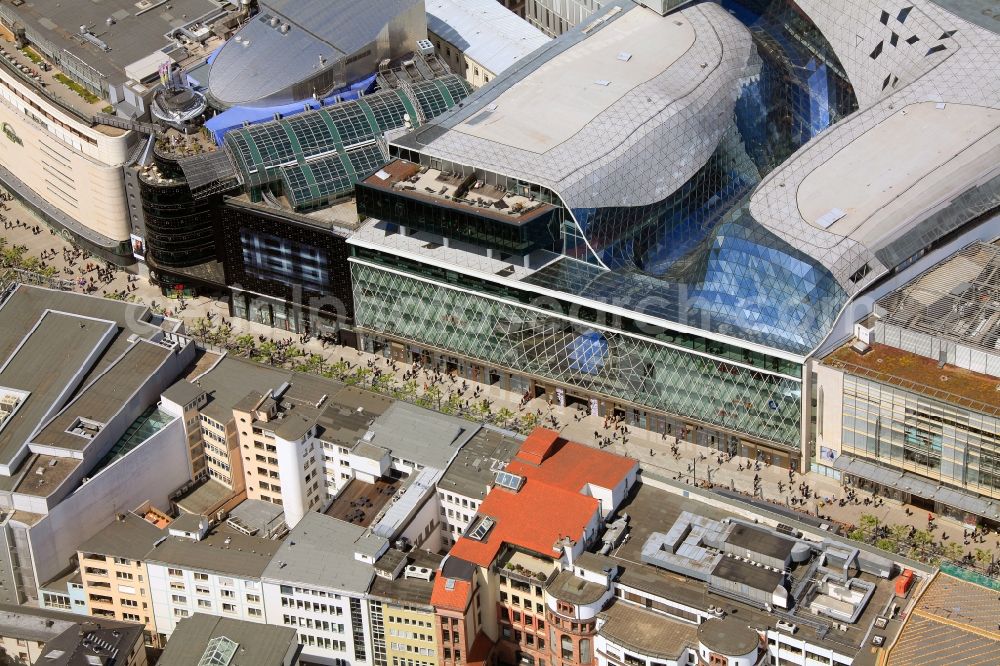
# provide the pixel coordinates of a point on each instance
(480, 531)
(510, 481)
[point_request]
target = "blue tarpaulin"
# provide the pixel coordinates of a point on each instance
(238, 115)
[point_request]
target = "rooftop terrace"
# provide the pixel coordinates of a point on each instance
(359, 502)
(41, 74)
(122, 33)
(456, 191)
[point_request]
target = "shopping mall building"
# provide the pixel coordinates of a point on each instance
(695, 202)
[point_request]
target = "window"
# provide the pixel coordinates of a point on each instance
(584, 650)
(228, 608)
(175, 572)
(201, 576)
(567, 647)
(124, 575)
(178, 599)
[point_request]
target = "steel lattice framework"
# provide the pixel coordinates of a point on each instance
(618, 365)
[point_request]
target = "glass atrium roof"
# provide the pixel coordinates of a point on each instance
(317, 156)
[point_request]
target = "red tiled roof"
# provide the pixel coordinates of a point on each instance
(570, 466)
(533, 518)
(454, 599)
(538, 445)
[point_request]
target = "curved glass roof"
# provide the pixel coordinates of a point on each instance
(660, 220)
(317, 156)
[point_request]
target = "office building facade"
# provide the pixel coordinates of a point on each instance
(906, 408)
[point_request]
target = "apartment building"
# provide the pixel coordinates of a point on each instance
(113, 572)
(305, 441)
(317, 583)
(283, 458)
(399, 603)
(206, 403)
(547, 506)
(456, 28)
(65, 593)
(469, 477)
(38, 636)
(217, 571)
(205, 639)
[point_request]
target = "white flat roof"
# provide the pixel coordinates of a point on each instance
(558, 99)
(484, 30)
(901, 169)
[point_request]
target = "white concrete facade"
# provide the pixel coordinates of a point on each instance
(179, 592)
(322, 618)
(456, 512)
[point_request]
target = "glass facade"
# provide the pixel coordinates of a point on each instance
(934, 439)
(599, 360)
(700, 249)
(465, 223)
(315, 158)
(179, 228)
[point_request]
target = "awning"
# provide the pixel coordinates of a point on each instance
(915, 485)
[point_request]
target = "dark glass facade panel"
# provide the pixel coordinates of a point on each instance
(179, 228)
(460, 222)
(286, 259)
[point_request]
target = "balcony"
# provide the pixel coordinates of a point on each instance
(524, 571)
